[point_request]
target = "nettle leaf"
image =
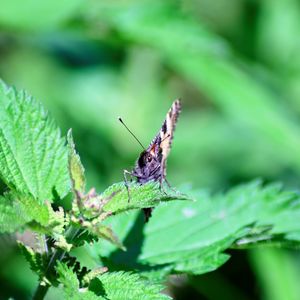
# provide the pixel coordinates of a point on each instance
(55, 227)
(16, 210)
(33, 158)
(10, 218)
(37, 261)
(192, 237)
(115, 285)
(141, 196)
(122, 285)
(70, 282)
(76, 168)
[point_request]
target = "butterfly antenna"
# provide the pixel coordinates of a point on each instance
(131, 133)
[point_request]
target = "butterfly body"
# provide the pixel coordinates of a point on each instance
(151, 164)
(146, 170)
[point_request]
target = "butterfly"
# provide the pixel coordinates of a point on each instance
(151, 164)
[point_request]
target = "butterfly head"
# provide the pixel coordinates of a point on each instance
(147, 158)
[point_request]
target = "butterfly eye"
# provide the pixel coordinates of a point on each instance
(149, 158)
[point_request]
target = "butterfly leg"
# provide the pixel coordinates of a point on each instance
(162, 176)
(125, 173)
(169, 185)
(161, 184)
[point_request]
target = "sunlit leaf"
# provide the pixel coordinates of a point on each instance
(76, 169)
(140, 196)
(17, 210)
(122, 285)
(196, 234)
(33, 158)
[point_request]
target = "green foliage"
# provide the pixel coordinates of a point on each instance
(55, 227)
(89, 210)
(76, 169)
(10, 220)
(33, 158)
(196, 234)
(16, 210)
(32, 153)
(37, 261)
(141, 196)
(115, 285)
(122, 285)
(201, 231)
(240, 121)
(71, 284)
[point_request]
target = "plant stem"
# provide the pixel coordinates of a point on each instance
(40, 292)
(57, 255)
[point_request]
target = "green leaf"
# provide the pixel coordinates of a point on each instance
(121, 285)
(16, 210)
(10, 218)
(55, 227)
(76, 169)
(141, 196)
(70, 283)
(37, 261)
(195, 235)
(33, 158)
(115, 286)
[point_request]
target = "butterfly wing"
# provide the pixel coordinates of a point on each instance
(161, 145)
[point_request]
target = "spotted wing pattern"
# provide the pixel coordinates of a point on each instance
(161, 144)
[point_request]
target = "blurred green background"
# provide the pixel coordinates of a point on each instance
(235, 65)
